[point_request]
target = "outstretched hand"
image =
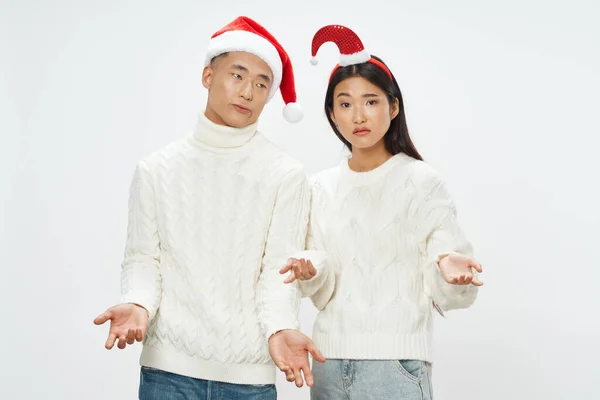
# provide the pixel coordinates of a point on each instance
(457, 269)
(301, 269)
(128, 324)
(289, 350)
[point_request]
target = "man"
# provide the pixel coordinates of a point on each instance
(213, 217)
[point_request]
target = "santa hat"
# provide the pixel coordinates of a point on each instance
(244, 34)
(352, 50)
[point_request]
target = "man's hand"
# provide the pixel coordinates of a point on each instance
(289, 350)
(128, 323)
(458, 270)
(301, 269)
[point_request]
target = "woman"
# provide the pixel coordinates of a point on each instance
(394, 250)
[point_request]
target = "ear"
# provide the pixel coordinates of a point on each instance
(207, 76)
(394, 109)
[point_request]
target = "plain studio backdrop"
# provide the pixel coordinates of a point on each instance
(501, 98)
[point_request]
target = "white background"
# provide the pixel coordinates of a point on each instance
(501, 98)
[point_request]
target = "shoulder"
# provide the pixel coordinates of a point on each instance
(166, 154)
(268, 151)
(428, 189)
(280, 166)
(327, 177)
(425, 178)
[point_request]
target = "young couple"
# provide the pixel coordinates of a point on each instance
(226, 234)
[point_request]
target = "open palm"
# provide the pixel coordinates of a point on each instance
(128, 324)
(289, 350)
(457, 269)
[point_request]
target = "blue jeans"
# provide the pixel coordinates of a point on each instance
(160, 385)
(371, 379)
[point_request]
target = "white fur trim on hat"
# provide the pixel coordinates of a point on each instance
(250, 43)
(292, 112)
(356, 58)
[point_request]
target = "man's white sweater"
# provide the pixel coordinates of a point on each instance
(213, 217)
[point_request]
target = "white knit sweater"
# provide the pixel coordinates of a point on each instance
(213, 217)
(383, 232)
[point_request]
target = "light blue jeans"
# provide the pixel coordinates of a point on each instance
(160, 385)
(371, 379)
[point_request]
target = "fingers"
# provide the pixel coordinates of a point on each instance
(298, 376)
(308, 269)
(465, 279)
(287, 267)
(102, 318)
(290, 278)
(289, 376)
(122, 341)
(297, 267)
(316, 353)
(302, 269)
(110, 342)
(131, 336)
(308, 376)
(282, 367)
(312, 271)
(139, 335)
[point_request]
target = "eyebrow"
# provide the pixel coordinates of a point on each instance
(366, 95)
(242, 68)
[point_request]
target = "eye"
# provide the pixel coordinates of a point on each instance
(372, 102)
(345, 105)
(260, 85)
(236, 76)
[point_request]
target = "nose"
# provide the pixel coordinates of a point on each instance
(246, 90)
(359, 116)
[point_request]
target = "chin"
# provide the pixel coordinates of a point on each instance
(365, 142)
(237, 121)
(362, 143)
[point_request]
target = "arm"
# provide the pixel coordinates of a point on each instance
(442, 236)
(140, 275)
(278, 304)
(321, 287)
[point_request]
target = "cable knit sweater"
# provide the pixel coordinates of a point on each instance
(383, 232)
(213, 217)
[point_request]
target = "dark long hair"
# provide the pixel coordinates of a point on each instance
(397, 140)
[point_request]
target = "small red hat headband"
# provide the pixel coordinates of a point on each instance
(349, 44)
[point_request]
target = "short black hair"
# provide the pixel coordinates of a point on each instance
(217, 58)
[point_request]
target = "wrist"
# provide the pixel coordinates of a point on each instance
(277, 333)
(141, 307)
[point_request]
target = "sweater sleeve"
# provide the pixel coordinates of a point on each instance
(321, 287)
(140, 275)
(442, 235)
(278, 303)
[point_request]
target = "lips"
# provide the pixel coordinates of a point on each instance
(361, 131)
(241, 109)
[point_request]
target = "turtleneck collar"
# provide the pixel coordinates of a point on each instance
(222, 136)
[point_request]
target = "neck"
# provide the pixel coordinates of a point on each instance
(214, 117)
(216, 134)
(364, 160)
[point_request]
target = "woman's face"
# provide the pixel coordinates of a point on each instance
(362, 112)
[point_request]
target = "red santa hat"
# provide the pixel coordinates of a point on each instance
(352, 50)
(244, 34)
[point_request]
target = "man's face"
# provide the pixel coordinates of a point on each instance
(238, 85)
